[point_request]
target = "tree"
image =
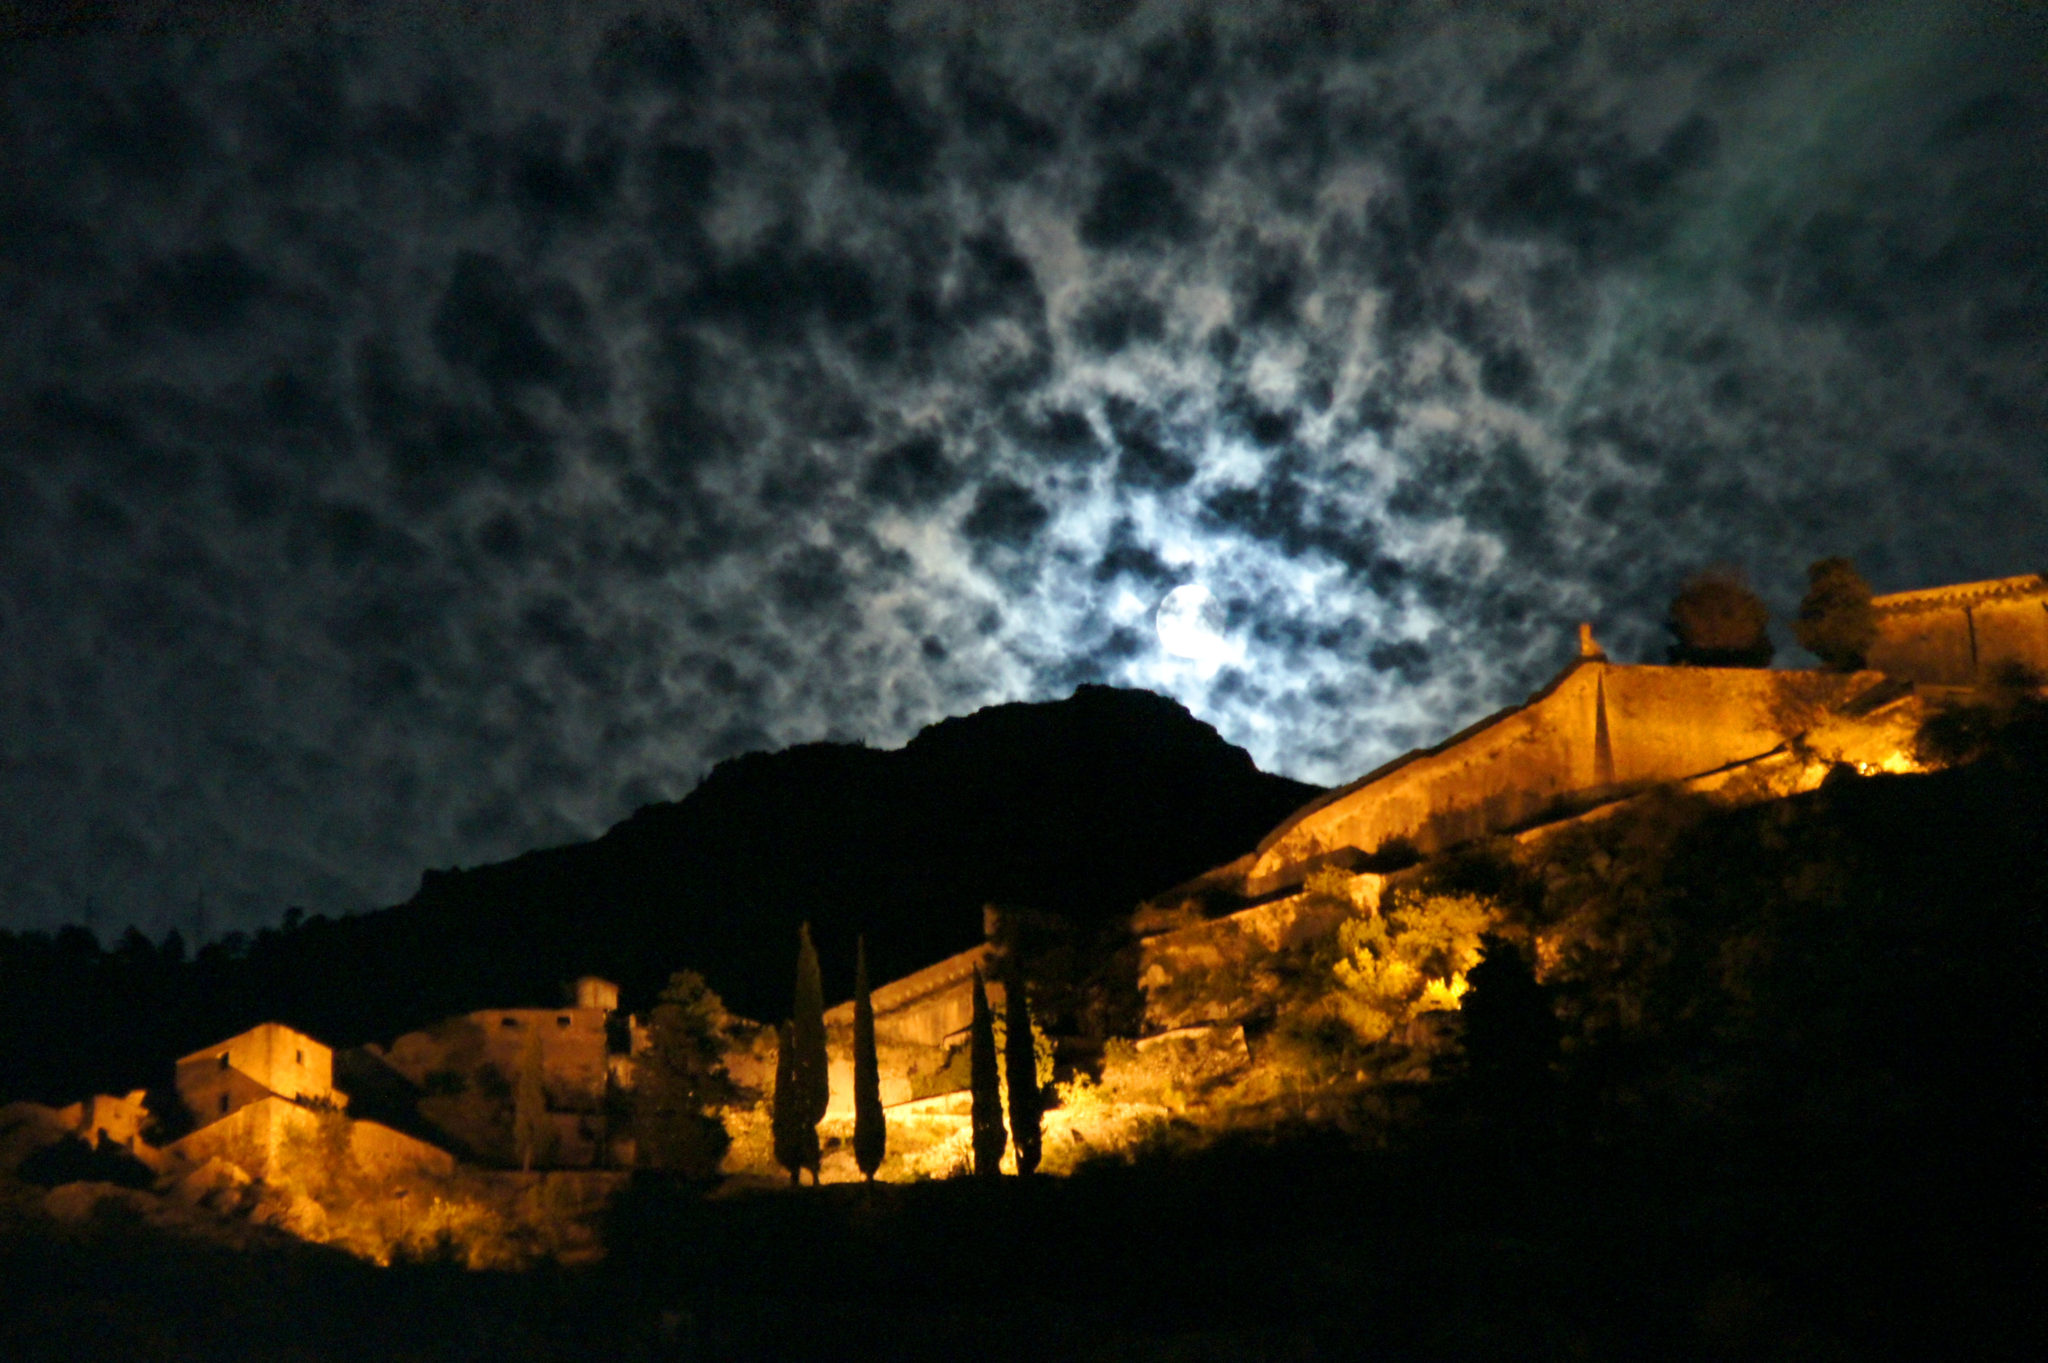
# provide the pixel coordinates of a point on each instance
(530, 1129)
(1410, 957)
(807, 1029)
(1836, 623)
(870, 1128)
(1717, 621)
(1020, 1062)
(989, 1139)
(680, 1077)
(796, 1140)
(1510, 1038)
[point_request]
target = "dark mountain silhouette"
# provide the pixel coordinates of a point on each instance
(1079, 807)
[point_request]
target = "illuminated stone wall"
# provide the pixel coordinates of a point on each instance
(1597, 732)
(264, 1139)
(572, 1049)
(920, 1020)
(1956, 635)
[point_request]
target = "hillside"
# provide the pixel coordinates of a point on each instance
(1785, 1105)
(1080, 807)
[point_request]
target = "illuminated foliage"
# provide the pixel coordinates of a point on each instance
(2005, 714)
(1409, 958)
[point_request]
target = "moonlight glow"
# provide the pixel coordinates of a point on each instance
(1190, 625)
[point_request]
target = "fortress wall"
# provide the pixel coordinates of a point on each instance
(572, 1049)
(251, 1137)
(383, 1152)
(262, 1138)
(2012, 631)
(1668, 723)
(898, 1065)
(1601, 728)
(1930, 647)
(1499, 771)
(919, 1019)
(1517, 760)
(211, 1093)
(1955, 635)
(922, 1008)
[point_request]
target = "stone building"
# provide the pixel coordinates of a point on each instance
(467, 1068)
(269, 1060)
(266, 1097)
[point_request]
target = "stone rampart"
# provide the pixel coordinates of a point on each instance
(1598, 732)
(268, 1138)
(1957, 635)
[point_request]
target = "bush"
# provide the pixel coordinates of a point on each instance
(1836, 623)
(1717, 621)
(1409, 959)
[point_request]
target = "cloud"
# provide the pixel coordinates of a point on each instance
(421, 443)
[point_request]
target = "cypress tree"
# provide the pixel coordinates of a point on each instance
(1020, 1061)
(796, 1140)
(870, 1129)
(807, 1027)
(989, 1139)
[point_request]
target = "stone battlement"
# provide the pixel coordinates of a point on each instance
(1960, 594)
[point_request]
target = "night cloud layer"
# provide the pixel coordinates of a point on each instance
(421, 443)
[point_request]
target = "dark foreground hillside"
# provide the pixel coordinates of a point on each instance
(1781, 1100)
(1080, 807)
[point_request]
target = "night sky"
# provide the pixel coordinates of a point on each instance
(425, 441)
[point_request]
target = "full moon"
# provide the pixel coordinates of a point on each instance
(1190, 624)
